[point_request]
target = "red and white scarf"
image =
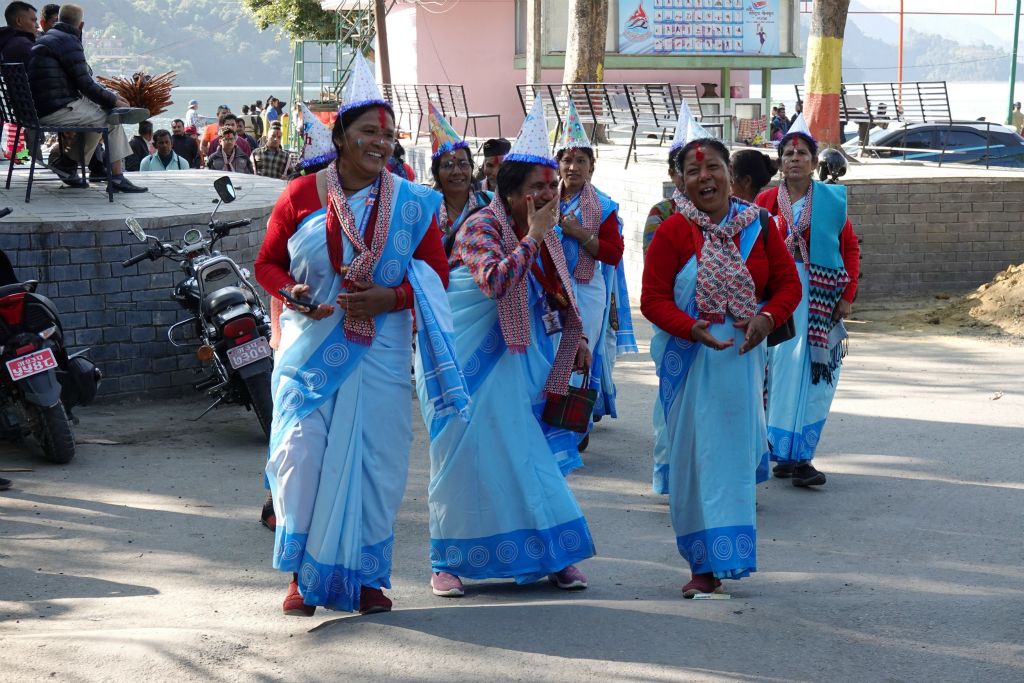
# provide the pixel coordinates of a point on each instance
(340, 219)
(795, 242)
(723, 282)
(514, 306)
(590, 210)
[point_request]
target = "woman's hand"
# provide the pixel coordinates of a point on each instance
(700, 333)
(583, 357)
(842, 310)
(571, 226)
(367, 300)
(301, 291)
(757, 328)
(541, 220)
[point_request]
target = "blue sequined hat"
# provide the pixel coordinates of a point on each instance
(533, 145)
(317, 145)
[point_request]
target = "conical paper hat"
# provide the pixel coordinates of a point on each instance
(682, 127)
(532, 145)
(361, 88)
(443, 138)
(317, 145)
(695, 131)
(573, 136)
(800, 126)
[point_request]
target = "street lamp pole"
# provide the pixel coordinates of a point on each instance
(1013, 58)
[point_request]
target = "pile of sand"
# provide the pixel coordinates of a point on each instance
(996, 304)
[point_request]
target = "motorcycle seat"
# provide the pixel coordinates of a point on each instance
(225, 297)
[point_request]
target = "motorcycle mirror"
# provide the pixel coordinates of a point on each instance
(136, 229)
(225, 190)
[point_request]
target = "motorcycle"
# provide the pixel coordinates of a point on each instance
(40, 383)
(228, 318)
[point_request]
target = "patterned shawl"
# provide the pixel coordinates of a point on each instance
(590, 210)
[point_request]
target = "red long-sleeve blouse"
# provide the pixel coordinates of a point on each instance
(678, 239)
(300, 199)
(610, 244)
(849, 248)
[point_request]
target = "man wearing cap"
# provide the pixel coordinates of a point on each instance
(183, 142)
(494, 150)
(192, 115)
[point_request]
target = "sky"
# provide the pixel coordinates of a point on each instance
(994, 30)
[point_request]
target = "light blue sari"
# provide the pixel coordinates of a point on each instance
(714, 436)
(798, 408)
(342, 427)
(594, 299)
(500, 506)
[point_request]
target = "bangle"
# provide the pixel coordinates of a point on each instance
(771, 318)
(399, 298)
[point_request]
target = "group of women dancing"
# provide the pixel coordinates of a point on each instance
(515, 301)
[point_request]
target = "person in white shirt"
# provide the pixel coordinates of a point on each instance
(164, 159)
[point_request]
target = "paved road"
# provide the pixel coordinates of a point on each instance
(144, 560)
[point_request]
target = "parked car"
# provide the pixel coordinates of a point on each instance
(963, 142)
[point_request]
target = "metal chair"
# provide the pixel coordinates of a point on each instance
(18, 107)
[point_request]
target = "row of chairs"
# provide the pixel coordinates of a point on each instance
(18, 108)
(410, 103)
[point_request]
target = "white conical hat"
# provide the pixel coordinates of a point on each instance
(695, 131)
(800, 126)
(682, 127)
(361, 88)
(573, 134)
(317, 145)
(532, 145)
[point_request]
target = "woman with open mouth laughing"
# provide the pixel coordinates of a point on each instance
(707, 268)
(359, 247)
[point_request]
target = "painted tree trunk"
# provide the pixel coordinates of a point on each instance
(824, 70)
(584, 51)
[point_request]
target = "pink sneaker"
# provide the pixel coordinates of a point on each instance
(447, 585)
(702, 583)
(569, 579)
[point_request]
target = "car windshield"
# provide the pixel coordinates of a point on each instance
(875, 136)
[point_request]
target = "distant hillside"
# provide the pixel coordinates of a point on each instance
(207, 42)
(926, 57)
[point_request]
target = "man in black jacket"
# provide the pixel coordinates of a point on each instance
(66, 94)
(17, 38)
(183, 145)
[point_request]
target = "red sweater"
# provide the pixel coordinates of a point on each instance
(849, 249)
(677, 239)
(300, 199)
(610, 244)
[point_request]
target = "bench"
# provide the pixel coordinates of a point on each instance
(18, 107)
(451, 100)
(408, 104)
(885, 102)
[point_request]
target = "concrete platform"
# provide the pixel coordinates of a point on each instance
(73, 242)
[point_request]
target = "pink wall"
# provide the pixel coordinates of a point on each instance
(474, 44)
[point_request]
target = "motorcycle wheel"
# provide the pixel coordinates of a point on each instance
(260, 400)
(55, 434)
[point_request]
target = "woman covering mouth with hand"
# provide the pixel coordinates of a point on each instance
(706, 271)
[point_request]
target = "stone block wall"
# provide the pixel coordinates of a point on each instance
(122, 314)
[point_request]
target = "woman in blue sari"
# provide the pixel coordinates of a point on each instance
(361, 247)
(707, 268)
(499, 505)
(592, 239)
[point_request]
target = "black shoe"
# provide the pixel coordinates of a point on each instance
(267, 516)
(74, 180)
(5, 484)
(784, 470)
(583, 444)
(805, 475)
(125, 185)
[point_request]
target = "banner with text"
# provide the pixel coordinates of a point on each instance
(699, 27)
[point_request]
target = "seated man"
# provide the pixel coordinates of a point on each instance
(18, 37)
(142, 146)
(228, 156)
(272, 160)
(66, 94)
(164, 158)
(185, 146)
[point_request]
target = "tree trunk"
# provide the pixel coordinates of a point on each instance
(533, 41)
(584, 52)
(824, 70)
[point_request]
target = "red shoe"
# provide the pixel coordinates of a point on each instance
(373, 601)
(293, 604)
(701, 583)
(267, 516)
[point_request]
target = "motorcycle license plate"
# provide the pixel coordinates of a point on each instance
(32, 364)
(249, 353)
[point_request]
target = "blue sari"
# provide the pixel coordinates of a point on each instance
(595, 301)
(500, 506)
(342, 428)
(797, 407)
(714, 436)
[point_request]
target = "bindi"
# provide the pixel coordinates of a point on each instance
(382, 117)
(549, 175)
(699, 152)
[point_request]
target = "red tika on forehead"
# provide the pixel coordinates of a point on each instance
(699, 152)
(382, 117)
(549, 174)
